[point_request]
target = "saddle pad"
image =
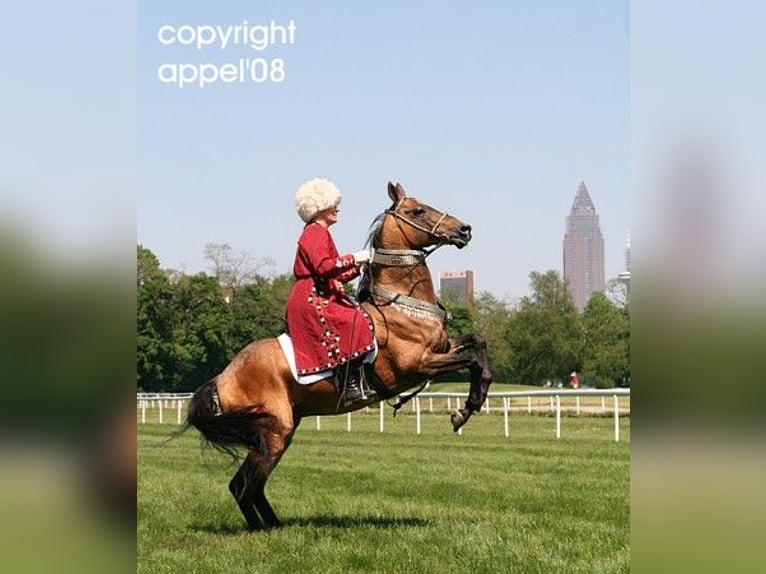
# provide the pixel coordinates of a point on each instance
(287, 348)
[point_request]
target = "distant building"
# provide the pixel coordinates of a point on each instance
(624, 276)
(456, 286)
(584, 267)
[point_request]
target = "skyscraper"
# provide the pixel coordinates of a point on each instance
(624, 276)
(583, 249)
(456, 286)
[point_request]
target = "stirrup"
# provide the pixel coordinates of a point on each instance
(353, 392)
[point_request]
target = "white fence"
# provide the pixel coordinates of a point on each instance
(167, 405)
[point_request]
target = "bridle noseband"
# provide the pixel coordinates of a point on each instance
(394, 211)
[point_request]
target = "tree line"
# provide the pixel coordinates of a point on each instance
(190, 326)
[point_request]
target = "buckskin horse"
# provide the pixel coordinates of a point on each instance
(256, 403)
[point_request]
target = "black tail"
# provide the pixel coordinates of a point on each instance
(225, 431)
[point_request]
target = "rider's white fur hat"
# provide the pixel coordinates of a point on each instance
(314, 196)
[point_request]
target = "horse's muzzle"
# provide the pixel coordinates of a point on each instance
(462, 236)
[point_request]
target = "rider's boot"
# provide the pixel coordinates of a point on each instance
(354, 379)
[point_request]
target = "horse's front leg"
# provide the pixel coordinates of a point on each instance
(468, 351)
(481, 377)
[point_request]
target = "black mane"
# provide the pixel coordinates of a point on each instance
(363, 289)
(374, 231)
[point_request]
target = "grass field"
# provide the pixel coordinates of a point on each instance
(364, 501)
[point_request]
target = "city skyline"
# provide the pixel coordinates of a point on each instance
(582, 209)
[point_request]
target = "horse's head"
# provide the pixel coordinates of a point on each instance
(418, 225)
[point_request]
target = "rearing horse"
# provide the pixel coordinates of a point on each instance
(255, 402)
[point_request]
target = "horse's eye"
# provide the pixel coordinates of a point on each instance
(418, 212)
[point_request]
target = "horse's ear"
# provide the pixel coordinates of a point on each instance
(396, 192)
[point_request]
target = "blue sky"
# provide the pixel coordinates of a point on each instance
(492, 111)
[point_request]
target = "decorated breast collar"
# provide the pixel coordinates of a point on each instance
(410, 305)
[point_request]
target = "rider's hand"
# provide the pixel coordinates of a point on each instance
(362, 256)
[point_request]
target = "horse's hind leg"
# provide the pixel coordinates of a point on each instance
(240, 487)
(262, 504)
(248, 484)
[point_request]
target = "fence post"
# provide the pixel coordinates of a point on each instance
(178, 403)
(381, 405)
(529, 405)
(506, 402)
(578, 404)
(160, 401)
(348, 421)
(558, 416)
(616, 419)
(319, 425)
(417, 411)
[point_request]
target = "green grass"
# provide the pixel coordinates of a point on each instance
(397, 502)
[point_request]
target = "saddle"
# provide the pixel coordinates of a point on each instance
(286, 344)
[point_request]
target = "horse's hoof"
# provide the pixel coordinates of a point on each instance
(458, 420)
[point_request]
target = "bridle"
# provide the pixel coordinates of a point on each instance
(394, 211)
(408, 258)
(405, 257)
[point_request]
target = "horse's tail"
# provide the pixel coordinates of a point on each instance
(226, 430)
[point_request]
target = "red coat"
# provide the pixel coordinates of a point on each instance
(326, 327)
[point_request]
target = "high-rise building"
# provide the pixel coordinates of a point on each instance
(624, 276)
(456, 286)
(583, 249)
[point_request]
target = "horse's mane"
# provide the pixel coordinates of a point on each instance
(374, 231)
(363, 289)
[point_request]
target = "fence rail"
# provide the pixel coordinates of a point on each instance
(168, 404)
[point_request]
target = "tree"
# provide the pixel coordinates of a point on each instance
(460, 318)
(200, 332)
(490, 320)
(545, 332)
(606, 331)
(190, 327)
(260, 309)
(233, 269)
(626, 336)
(154, 323)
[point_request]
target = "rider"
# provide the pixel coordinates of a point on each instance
(328, 329)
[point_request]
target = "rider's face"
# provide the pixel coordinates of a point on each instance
(328, 216)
